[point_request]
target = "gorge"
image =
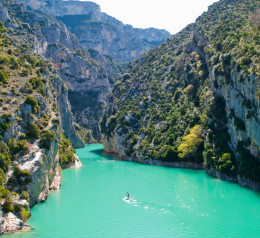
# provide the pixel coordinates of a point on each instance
(70, 75)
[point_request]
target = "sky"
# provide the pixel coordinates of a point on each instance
(171, 15)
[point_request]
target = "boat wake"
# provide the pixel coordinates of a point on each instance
(130, 200)
(146, 205)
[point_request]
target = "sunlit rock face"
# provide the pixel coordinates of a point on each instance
(97, 30)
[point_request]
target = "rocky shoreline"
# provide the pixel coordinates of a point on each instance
(115, 145)
(188, 165)
(10, 223)
(241, 181)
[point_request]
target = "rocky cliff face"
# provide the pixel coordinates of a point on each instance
(82, 74)
(35, 116)
(61, 8)
(111, 40)
(100, 31)
(87, 82)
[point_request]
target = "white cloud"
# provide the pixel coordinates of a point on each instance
(172, 15)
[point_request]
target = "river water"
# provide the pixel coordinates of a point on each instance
(167, 202)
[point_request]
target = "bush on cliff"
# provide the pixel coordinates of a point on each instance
(5, 160)
(8, 205)
(25, 195)
(33, 131)
(4, 77)
(47, 138)
(66, 151)
(24, 214)
(33, 102)
(2, 177)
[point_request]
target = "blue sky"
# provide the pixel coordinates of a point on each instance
(172, 15)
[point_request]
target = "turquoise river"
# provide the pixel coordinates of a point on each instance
(168, 202)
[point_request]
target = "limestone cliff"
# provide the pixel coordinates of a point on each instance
(88, 84)
(82, 74)
(100, 31)
(36, 122)
(109, 39)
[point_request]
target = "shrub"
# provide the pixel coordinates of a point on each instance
(4, 77)
(32, 60)
(239, 124)
(42, 92)
(24, 214)
(56, 120)
(22, 144)
(8, 204)
(25, 72)
(2, 177)
(3, 192)
(21, 173)
(5, 162)
(33, 131)
(14, 62)
(66, 151)
(177, 95)
(12, 145)
(22, 136)
(33, 102)
(46, 139)
(245, 61)
(25, 195)
(126, 76)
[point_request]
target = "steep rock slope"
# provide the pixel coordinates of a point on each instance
(195, 98)
(83, 75)
(100, 31)
(35, 118)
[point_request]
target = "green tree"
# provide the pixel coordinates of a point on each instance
(12, 145)
(24, 214)
(25, 195)
(33, 131)
(33, 102)
(191, 142)
(46, 139)
(2, 177)
(4, 76)
(8, 205)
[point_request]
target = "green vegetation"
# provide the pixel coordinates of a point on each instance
(85, 135)
(249, 164)
(191, 143)
(2, 177)
(46, 138)
(8, 205)
(33, 131)
(21, 83)
(24, 214)
(22, 177)
(25, 195)
(66, 151)
(33, 102)
(5, 160)
(168, 109)
(35, 83)
(4, 77)
(156, 101)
